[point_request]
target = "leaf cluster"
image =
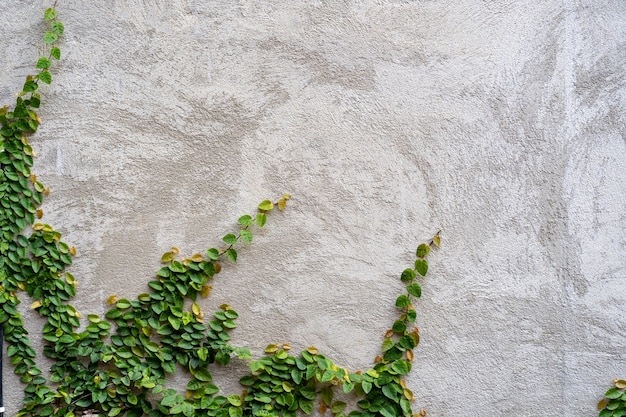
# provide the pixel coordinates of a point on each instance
(614, 402)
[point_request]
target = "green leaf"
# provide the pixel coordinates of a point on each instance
(308, 393)
(174, 322)
(114, 411)
(232, 255)
(306, 406)
(414, 289)
(421, 266)
(613, 393)
(401, 367)
(230, 238)
(366, 386)
(388, 343)
(213, 254)
(403, 301)
(202, 374)
(338, 407)
(50, 37)
(261, 219)
(245, 220)
(411, 315)
(43, 63)
(422, 250)
(246, 236)
(247, 381)
(235, 412)
(29, 86)
(176, 266)
(266, 205)
(392, 355)
(388, 411)
(50, 14)
(57, 27)
(55, 53)
(234, 400)
(327, 395)
(408, 275)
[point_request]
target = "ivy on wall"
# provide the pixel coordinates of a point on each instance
(119, 364)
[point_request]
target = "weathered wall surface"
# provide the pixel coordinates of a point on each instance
(500, 122)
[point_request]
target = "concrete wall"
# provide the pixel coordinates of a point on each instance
(500, 122)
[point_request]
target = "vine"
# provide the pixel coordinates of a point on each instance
(118, 365)
(614, 402)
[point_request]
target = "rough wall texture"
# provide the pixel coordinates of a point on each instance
(500, 122)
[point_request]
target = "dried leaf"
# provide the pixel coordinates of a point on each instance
(113, 299)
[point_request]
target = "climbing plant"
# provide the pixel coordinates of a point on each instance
(614, 402)
(118, 364)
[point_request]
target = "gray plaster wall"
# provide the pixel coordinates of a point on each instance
(500, 122)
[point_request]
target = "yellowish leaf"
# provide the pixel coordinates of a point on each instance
(286, 346)
(167, 257)
(195, 308)
(282, 203)
(73, 250)
(437, 239)
(33, 178)
(323, 408)
(423, 412)
(35, 305)
(218, 268)
(272, 348)
(286, 196)
(312, 350)
(408, 394)
(113, 299)
(46, 191)
(226, 307)
(409, 355)
(175, 250)
(603, 403)
(21, 286)
(620, 383)
(39, 213)
(197, 258)
(206, 291)
(38, 226)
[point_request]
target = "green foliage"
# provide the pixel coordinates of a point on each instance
(614, 402)
(118, 365)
